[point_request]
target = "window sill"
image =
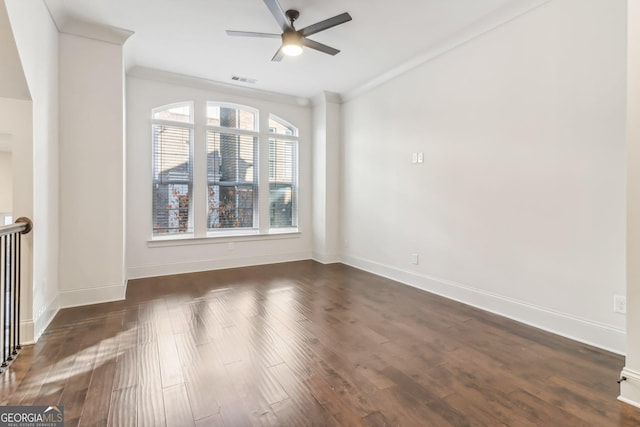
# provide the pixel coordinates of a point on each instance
(249, 236)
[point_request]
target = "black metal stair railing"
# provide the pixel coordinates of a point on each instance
(10, 259)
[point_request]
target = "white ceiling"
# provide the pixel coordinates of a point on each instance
(188, 36)
(13, 83)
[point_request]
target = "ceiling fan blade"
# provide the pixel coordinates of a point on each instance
(326, 24)
(252, 34)
(278, 13)
(278, 56)
(319, 46)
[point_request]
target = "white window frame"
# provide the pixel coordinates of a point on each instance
(199, 207)
(175, 123)
(293, 137)
(240, 132)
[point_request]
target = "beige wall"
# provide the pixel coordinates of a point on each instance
(16, 120)
(6, 182)
(519, 206)
(630, 389)
(91, 157)
(145, 258)
(35, 160)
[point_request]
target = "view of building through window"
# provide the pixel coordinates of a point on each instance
(232, 187)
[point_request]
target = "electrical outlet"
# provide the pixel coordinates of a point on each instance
(414, 259)
(620, 304)
(414, 157)
(420, 157)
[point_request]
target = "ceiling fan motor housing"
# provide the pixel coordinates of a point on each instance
(292, 14)
(291, 37)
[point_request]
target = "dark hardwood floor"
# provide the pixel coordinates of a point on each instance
(302, 344)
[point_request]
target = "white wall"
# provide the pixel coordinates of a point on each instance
(519, 205)
(630, 389)
(12, 83)
(6, 183)
(146, 259)
(327, 146)
(91, 171)
(16, 119)
(36, 160)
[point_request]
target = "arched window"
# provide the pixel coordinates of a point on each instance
(234, 189)
(172, 133)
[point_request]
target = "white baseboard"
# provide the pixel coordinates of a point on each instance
(326, 258)
(589, 332)
(630, 388)
(44, 317)
(26, 332)
(78, 297)
(212, 264)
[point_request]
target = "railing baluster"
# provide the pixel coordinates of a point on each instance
(19, 253)
(10, 323)
(3, 271)
(7, 281)
(10, 283)
(16, 302)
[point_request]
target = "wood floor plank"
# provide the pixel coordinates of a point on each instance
(305, 344)
(177, 407)
(258, 390)
(150, 409)
(122, 411)
(170, 369)
(126, 374)
(301, 407)
(376, 419)
(11, 378)
(96, 407)
(538, 411)
(53, 387)
(332, 401)
(211, 421)
(205, 377)
(150, 399)
(480, 415)
(235, 414)
(38, 370)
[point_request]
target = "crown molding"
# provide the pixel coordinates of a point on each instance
(68, 24)
(94, 31)
(326, 98)
(490, 22)
(205, 84)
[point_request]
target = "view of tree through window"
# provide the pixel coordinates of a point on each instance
(231, 168)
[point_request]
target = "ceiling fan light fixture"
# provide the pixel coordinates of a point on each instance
(294, 40)
(291, 44)
(292, 49)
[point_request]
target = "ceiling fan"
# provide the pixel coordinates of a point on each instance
(292, 39)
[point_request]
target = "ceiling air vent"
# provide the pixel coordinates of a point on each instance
(243, 79)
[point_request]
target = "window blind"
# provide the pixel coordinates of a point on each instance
(172, 179)
(283, 186)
